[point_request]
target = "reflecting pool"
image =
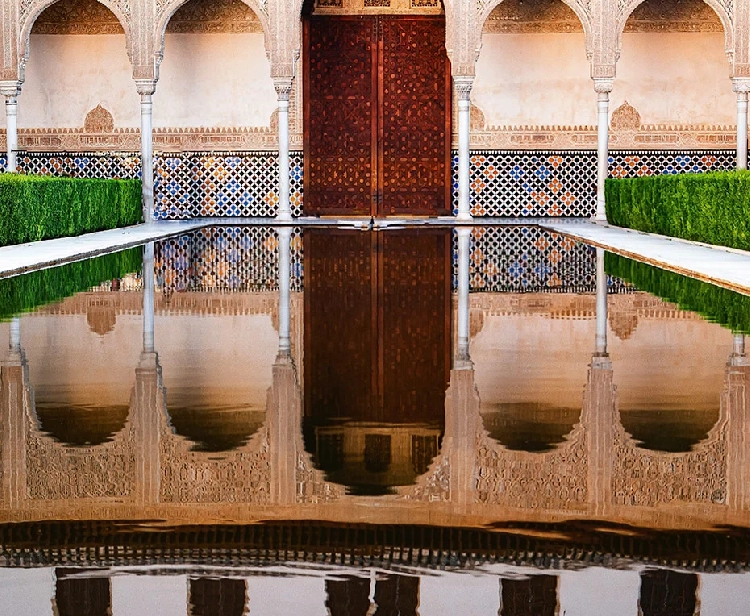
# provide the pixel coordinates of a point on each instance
(248, 420)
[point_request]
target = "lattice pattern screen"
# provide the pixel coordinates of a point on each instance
(225, 259)
(503, 183)
(230, 184)
(531, 260)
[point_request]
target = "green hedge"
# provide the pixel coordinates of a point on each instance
(705, 207)
(41, 207)
(26, 292)
(717, 304)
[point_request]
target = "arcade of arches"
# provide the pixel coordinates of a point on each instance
(670, 82)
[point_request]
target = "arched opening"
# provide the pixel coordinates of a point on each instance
(215, 72)
(81, 425)
(669, 430)
(77, 62)
(532, 427)
(672, 70)
(211, 427)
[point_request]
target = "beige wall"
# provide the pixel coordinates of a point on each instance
(544, 79)
(220, 80)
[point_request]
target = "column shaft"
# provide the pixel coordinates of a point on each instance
(602, 152)
(601, 304)
(462, 359)
(147, 157)
(283, 90)
(11, 115)
(741, 130)
(463, 88)
(284, 289)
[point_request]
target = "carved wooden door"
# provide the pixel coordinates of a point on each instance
(377, 116)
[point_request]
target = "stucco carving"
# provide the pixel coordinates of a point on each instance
(625, 117)
(99, 120)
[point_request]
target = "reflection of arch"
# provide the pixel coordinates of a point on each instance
(528, 426)
(669, 431)
(215, 428)
(627, 8)
(81, 425)
(35, 8)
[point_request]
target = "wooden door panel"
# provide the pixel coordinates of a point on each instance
(340, 116)
(415, 121)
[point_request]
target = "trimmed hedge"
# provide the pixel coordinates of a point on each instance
(706, 207)
(29, 291)
(41, 207)
(718, 305)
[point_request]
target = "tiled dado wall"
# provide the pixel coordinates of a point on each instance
(503, 183)
(503, 259)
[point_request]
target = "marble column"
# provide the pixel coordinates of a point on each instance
(283, 91)
(146, 88)
(462, 359)
(11, 90)
(602, 87)
(285, 234)
(741, 87)
(463, 85)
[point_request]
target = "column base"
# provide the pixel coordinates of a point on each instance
(283, 217)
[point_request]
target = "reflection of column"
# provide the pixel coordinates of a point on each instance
(146, 88)
(462, 360)
(284, 405)
(285, 234)
(602, 87)
(601, 305)
(741, 87)
(459, 445)
(11, 93)
(14, 393)
(735, 410)
(598, 416)
(463, 88)
(148, 404)
(283, 87)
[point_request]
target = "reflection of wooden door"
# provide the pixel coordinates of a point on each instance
(377, 325)
(377, 116)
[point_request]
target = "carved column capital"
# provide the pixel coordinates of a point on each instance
(145, 86)
(741, 84)
(603, 85)
(283, 87)
(10, 89)
(463, 84)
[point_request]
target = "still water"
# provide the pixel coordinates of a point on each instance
(498, 421)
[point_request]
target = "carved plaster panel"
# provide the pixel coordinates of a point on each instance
(77, 17)
(214, 16)
(384, 7)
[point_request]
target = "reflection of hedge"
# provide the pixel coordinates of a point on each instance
(42, 207)
(705, 207)
(27, 292)
(717, 304)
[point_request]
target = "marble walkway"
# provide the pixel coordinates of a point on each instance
(723, 266)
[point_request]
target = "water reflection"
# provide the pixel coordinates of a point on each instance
(351, 420)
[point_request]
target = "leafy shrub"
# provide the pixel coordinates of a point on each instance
(717, 304)
(706, 207)
(41, 207)
(27, 292)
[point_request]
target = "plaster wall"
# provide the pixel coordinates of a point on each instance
(544, 79)
(219, 80)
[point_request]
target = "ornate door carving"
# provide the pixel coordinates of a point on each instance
(377, 116)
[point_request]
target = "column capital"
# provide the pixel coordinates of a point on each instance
(283, 87)
(603, 85)
(145, 87)
(741, 84)
(463, 84)
(10, 89)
